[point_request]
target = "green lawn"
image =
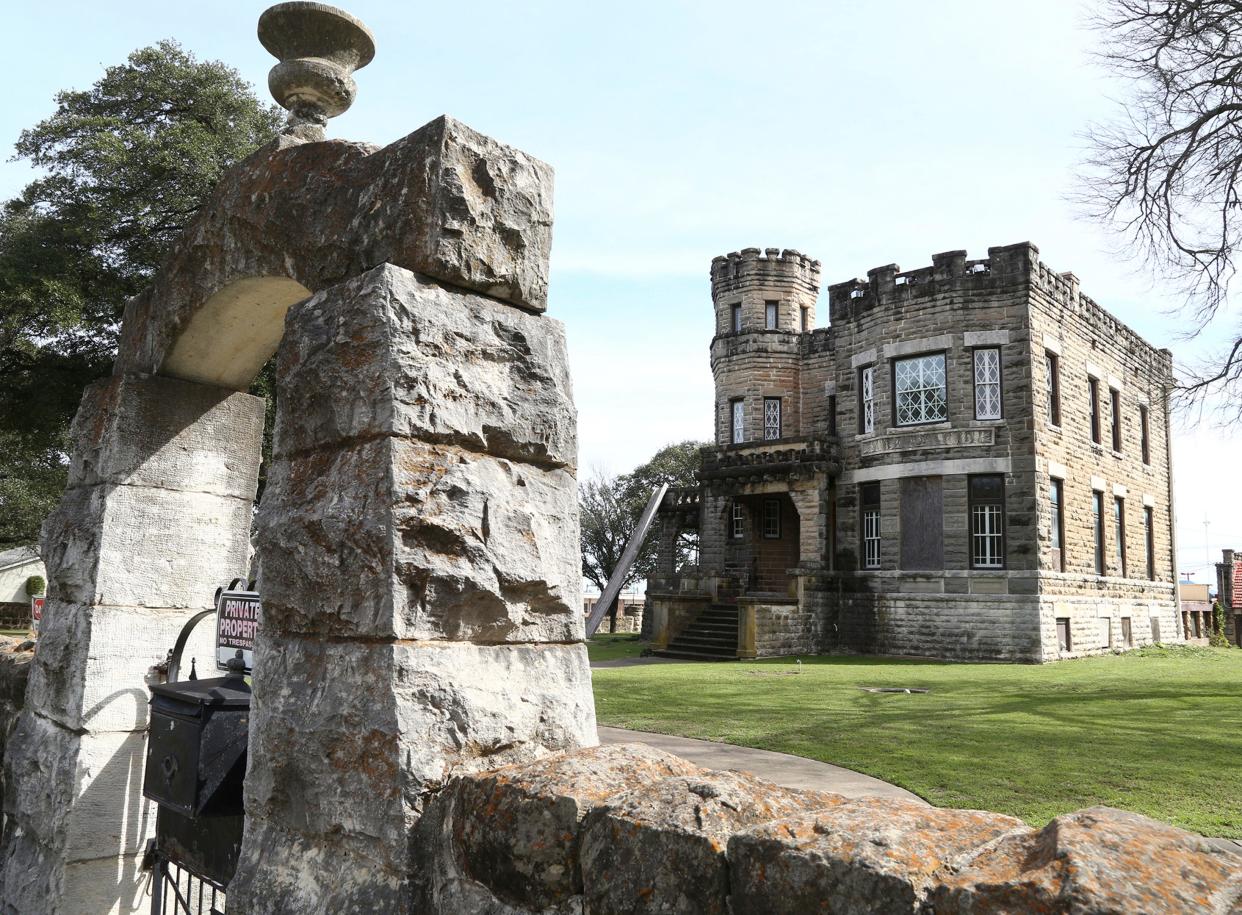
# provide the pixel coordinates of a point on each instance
(1158, 730)
(612, 647)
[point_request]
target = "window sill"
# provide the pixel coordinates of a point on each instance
(1118, 455)
(977, 423)
(1052, 427)
(933, 426)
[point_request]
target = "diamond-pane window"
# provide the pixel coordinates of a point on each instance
(737, 416)
(922, 395)
(771, 418)
(987, 384)
(866, 400)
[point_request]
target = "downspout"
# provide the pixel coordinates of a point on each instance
(1168, 455)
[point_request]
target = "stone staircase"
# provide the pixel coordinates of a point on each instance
(712, 636)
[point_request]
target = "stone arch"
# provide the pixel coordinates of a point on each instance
(479, 606)
(228, 340)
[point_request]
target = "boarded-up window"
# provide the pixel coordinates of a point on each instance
(1063, 633)
(922, 524)
(1127, 633)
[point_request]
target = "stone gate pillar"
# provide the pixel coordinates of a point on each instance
(419, 564)
(156, 515)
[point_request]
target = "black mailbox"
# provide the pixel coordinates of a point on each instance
(196, 763)
(197, 744)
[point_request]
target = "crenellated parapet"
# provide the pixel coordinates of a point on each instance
(890, 285)
(771, 267)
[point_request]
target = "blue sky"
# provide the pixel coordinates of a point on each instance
(861, 134)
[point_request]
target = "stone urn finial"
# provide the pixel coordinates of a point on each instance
(319, 48)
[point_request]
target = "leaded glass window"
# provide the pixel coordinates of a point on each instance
(987, 384)
(735, 314)
(737, 417)
(771, 418)
(866, 400)
(770, 314)
(921, 391)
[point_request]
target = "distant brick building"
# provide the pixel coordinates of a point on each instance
(1229, 592)
(971, 462)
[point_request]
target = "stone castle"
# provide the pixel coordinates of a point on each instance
(970, 462)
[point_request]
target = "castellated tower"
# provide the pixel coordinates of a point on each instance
(764, 301)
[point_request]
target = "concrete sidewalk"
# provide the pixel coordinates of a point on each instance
(781, 768)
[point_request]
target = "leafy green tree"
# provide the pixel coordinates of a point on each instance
(123, 167)
(611, 507)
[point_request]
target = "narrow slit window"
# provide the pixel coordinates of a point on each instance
(1063, 634)
(735, 318)
(1144, 435)
(1053, 372)
(832, 414)
(987, 384)
(771, 312)
(1115, 399)
(1097, 517)
(1093, 391)
(1149, 543)
(866, 399)
(1056, 493)
(771, 519)
(869, 506)
(737, 521)
(806, 319)
(987, 521)
(1119, 522)
(737, 419)
(771, 418)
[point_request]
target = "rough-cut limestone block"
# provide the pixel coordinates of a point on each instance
(91, 667)
(81, 791)
(405, 355)
(172, 434)
(145, 546)
(295, 218)
(661, 848)
(510, 837)
(36, 880)
(338, 773)
(391, 537)
(1097, 861)
(875, 855)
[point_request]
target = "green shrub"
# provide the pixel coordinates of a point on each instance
(35, 585)
(1218, 639)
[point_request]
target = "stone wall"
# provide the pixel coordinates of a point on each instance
(557, 836)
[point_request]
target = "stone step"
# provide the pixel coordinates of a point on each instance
(705, 644)
(671, 652)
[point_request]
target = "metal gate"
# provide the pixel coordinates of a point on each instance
(176, 890)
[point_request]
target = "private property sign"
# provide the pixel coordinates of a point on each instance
(237, 622)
